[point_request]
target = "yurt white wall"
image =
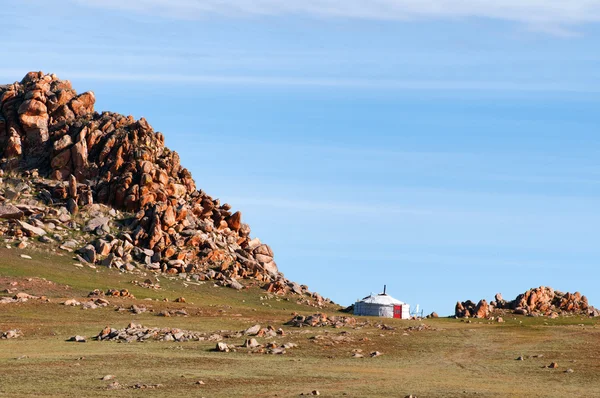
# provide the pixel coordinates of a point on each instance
(370, 309)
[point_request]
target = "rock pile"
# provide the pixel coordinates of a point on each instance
(135, 332)
(91, 304)
(111, 293)
(535, 302)
(469, 309)
(259, 331)
(147, 284)
(115, 385)
(420, 328)
(21, 298)
(322, 320)
(256, 348)
(546, 301)
(168, 313)
(72, 158)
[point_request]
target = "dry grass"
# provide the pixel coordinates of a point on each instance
(457, 360)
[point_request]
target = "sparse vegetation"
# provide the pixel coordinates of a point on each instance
(450, 358)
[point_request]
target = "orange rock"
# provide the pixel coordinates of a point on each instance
(482, 310)
(235, 221)
(13, 145)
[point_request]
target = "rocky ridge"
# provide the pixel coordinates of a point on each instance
(66, 168)
(541, 301)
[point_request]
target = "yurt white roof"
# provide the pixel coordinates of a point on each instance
(381, 299)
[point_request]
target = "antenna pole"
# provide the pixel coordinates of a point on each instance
(384, 286)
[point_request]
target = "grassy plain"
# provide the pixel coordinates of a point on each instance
(452, 359)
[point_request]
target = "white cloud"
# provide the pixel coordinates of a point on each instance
(292, 81)
(554, 16)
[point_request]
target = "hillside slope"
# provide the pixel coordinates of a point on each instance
(61, 159)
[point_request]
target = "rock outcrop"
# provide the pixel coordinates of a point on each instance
(322, 320)
(543, 301)
(546, 301)
(72, 158)
(469, 309)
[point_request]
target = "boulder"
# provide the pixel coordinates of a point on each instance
(10, 212)
(31, 229)
(222, 347)
(13, 145)
(94, 223)
(482, 310)
(234, 222)
(252, 331)
(251, 343)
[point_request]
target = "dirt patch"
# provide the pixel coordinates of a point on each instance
(34, 286)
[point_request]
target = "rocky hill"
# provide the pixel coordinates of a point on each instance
(105, 185)
(541, 301)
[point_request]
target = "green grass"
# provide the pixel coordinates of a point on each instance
(459, 359)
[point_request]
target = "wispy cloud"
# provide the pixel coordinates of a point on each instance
(294, 81)
(553, 16)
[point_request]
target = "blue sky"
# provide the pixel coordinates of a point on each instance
(448, 149)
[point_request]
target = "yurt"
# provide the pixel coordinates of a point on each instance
(382, 305)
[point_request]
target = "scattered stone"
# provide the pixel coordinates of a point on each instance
(553, 365)
(77, 339)
(322, 320)
(234, 284)
(26, 257)
(251, 343)
(419, 328)
(222, 347)
(277, 351)
(136, 332)
(140, 386)
(252, 331)
(11, 334)
(115, 385)
(147, 284)
(35, 231)
(10, 212)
